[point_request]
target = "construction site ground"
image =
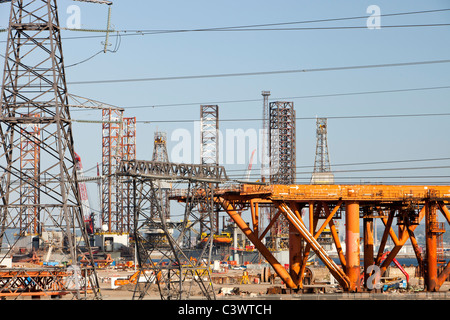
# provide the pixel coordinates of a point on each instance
(229, 286)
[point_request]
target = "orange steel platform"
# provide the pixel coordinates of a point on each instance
(35, 282)
(407, 204)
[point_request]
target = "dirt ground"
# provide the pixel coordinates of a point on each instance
(230, 285)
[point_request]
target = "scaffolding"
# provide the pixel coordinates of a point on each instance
(282, 155)
(112, 132)
(128, 144)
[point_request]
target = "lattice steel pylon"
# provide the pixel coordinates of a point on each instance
(34, 94)
(282, 162)
(322, 168)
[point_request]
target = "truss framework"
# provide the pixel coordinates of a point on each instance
(112, 133)
(408, 205)
(209, 131)
(126, 222)
(282, 162)
(169, 260)
(322, 170)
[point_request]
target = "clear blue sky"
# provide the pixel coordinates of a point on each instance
(200, 53)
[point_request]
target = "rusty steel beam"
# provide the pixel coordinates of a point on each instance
(279, 269)
(368, 245)
(416, 249)
(399, 244)
(337, 272)
(443, 208)
(366, 193)
(387, 226)
(296, 249)
(338, 245)
(330, 215)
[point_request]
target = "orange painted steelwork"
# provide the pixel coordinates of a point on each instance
(28, 282)
(37, 282)
(408, 204)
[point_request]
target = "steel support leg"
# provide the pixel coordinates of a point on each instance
(352, 244)
(431, 244)
(279, 269)
(368, 247)
(295, 249)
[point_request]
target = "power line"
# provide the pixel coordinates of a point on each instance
(361, 163)
(260, 73)
(246, 27)
(384, 169)
(289, 98)
(297, 22)
(300, 118)
(371, 170)
(298, 28)
(241, 29)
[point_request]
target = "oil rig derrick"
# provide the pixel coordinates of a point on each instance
(282, 153)
(322, 170)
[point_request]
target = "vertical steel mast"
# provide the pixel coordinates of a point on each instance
(265, 137)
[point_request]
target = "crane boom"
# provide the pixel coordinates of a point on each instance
(86, 207)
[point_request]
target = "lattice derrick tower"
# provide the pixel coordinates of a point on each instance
(209, 131)
(209, 144)
(322, 160)
(322, 168)
(126, 222)
(112, 131)
(160, 147)
(282, 161)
